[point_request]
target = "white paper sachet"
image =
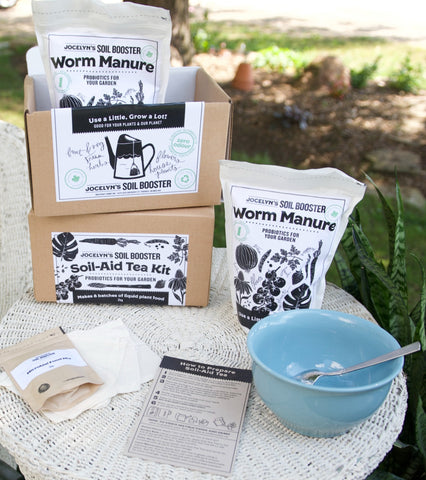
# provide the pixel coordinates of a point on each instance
(49, 371)
(121, 360)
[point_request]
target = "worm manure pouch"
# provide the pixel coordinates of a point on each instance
(104, 54)
(283, 227)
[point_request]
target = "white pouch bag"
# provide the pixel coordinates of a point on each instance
(283, 227)
(103, 54)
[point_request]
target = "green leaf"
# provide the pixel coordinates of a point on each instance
(421, 429)
(398, 272)
(390, 220)
(347, 245)
(418, 313)
(381, 475)
(373, 279)
(367, 259)
(347, 280)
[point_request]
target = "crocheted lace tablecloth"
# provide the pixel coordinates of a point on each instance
(91, 446)
(15, 255)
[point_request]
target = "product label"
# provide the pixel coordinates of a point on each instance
(31, 368)
(283, 246)
(127, 151)
(103, 71)
(120, 268)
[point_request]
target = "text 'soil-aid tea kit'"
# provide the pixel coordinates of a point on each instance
(157, 257)
(283, 227)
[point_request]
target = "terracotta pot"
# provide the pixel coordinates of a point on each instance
(244, 79)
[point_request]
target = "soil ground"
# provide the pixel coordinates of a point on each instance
(342, 132)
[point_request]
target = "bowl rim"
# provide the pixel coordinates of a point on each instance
(399, 362)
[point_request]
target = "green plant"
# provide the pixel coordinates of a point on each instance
(407, 78)
(382, 288)
(13, 69)
(201, 40)
(360, 77)
(281, 60)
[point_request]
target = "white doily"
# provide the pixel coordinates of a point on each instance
(15, 256)
(91, 446)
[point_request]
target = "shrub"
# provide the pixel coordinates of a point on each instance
(407, 78)
(361, 77)
(280, 60)
(382, 288)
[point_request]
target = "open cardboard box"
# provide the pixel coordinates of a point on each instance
(73, 172)
(160, 257)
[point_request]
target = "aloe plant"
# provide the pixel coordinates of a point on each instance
(381, 286)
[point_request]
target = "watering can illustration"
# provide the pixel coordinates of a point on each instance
(128, 161)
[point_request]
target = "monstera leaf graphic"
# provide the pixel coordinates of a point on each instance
(300, 297)
(65, 246)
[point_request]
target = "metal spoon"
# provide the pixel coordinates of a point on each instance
(311, 376)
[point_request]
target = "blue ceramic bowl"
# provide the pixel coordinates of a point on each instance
(285, 344)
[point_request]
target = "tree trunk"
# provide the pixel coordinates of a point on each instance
(181, 34)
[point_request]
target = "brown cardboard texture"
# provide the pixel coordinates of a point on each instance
(146, 192)
(160, 257)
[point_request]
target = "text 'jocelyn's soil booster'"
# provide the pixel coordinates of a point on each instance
(103, 54)
(283, 227)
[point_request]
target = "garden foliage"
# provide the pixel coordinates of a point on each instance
(382, 288)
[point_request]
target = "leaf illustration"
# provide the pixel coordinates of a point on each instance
(180, 253)
(65, 246)
(314, 261)
(241, 286)
(300, 297)
(263, 259)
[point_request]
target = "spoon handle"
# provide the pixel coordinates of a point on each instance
(399, 352)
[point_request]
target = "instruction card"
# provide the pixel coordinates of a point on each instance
(193, 416)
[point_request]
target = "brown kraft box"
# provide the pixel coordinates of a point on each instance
(157, 257)
(85, 171)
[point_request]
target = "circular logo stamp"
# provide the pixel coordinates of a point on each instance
(43, 388)
(185, 178)
(241, 230)
(149, 54)
(183, 142)
(62, 82)
(75, 178)
(333, 213)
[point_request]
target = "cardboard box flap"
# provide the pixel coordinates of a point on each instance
(29, 97)
(207, 90)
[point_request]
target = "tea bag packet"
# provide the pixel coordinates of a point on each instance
(49, 372)
(283, 227)
(103, 54)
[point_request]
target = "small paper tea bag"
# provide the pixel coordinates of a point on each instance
(49, 372)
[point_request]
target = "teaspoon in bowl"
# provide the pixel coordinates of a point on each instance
(311, 376)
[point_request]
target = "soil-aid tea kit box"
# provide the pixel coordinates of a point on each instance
(128, 157)
(157, 257)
